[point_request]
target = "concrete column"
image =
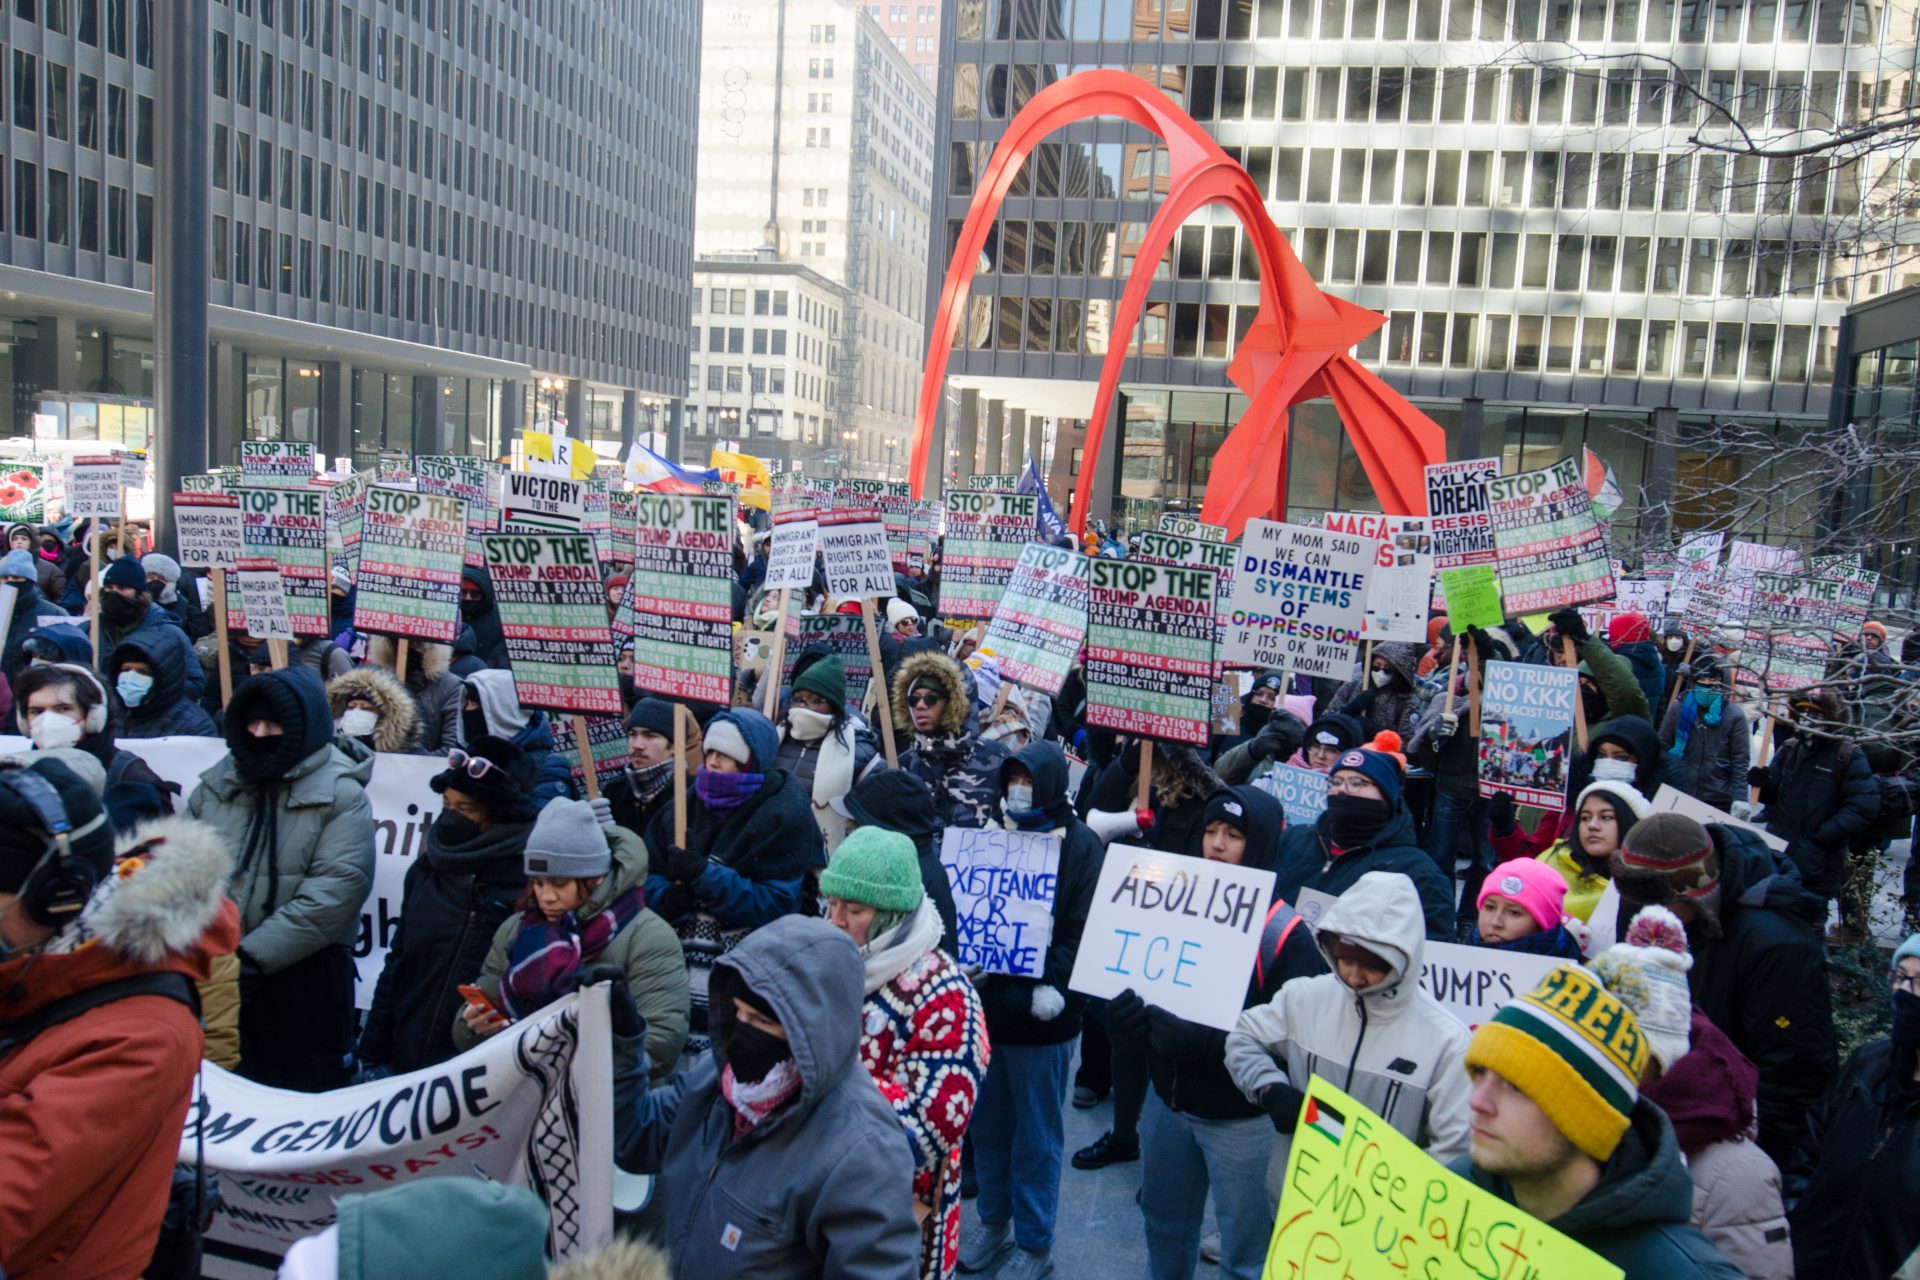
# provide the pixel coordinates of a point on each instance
(996, 437)
(629, 419)
(513, 404)
(224, 418)
(965, 441)
(429, 414)
(182, 204)
(674, 417)
(336, 408)
(1106, 464)
(55, 365)
(576, 408)
(1016, 439)
(1656, 514)
(1473, 418)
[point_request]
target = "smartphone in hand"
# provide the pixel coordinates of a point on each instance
(478, 999)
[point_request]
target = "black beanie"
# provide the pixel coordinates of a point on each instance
(292, 698)
(655, 714)
(506, 791)
(24, 837)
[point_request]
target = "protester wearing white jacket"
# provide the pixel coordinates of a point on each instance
(1380, 1038)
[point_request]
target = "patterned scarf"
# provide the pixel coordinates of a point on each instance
(1690, 714)
(725, 792)
(754, 1100)
(650, 781)
(544, 961)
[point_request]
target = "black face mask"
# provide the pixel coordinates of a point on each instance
(1594, 703)
(454, 829)
(1253, 717)
(1906, 1020)
(471, 609)
(474, 722)
(117, 608)
(1353, 821)
(628, 693)
(752, 1052)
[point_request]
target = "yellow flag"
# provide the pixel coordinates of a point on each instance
(747, 471)
(548, 454)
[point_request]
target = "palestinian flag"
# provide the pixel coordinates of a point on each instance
(1325, 1120)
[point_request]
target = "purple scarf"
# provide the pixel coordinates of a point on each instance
(544, 961)
(725, 792)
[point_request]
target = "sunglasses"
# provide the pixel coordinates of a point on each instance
(924, 699)
(472, 766)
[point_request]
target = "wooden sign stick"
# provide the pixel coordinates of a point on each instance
(585, 750)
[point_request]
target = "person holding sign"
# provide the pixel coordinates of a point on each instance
(821, 747)
(1819, 788)
(1607, 684)
(127, 610)
(149, 673)
(1561, 1131)
(645, 786)
(1389, 696)
(931, 702)
(17, 571)
(439, 696)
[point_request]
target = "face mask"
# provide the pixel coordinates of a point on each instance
(1381, 679)
(51, 731)
(117, 608)
(808, 726)
(1906, 1020)
(752, 1052)
(471, 609)
(453, 829)
(1019, 797)
(1353, 821)
(358, 722)
(134, 687)
(1614, 770)
(1675, 644)
(1595, 705)
(1254, 717)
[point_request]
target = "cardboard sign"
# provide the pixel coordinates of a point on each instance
(1003, 888)
(621, 506)
(1158, 547)
(838, 633)
(1642, 596)
(796, 535)
(1474, 983)
(1553, 551)
(208, 529)
(1150, 650)
(288, 527)
(93, 488)
(606, 738)
(1180, 931)
(470, 480)
(1298, 597)
(678, 606)
(1473, 597)
(1745, 563)
(411, 554)
(985, 535)
(1401, 584)
(1181, 527)
(554, 615)
(853, 547)
(263, 600)
(276, 464)
(345, 511)
(1362, 1200)
(1041, 621)
(23, 493)
(1301, 792)
(542, 504)
(1669, 799)
(1698, 559)
(1526, 731)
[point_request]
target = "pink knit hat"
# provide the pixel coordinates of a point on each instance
(1536, 887)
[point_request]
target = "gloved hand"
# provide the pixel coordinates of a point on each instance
(1278, 738)
(1127, 1015)
(251, 977)
(623, 1017)
(1282, 1102)
(1446, 727)
(1568, 624)
(1483, 645)
(674, 905)
(1047, 1003)
(371, 1071)
(1171, 1036)
(1500, 817)
(684, 866)
(1363, 703)
(602, 810)
(1760, 776)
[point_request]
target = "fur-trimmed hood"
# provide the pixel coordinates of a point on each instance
(434, 658)
(621, 1260)
(399, 726)
(946, 673)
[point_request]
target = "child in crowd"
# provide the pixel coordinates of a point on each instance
(1521, 909)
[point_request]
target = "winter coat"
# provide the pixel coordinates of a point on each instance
(1584, 888)
(185, 607)
(163, 629)
(1822, 795)
(962, 768)
(91, 1109)
(1630, 636)
(1391, 1047)
(455, 898)
(398, 728)
(439, 697)
(818, 1189)
(913, 818)
(50, 577)
(1307, 861)
(1708, 1097)
(1454, 762)
(1713, 766)
(645, 949)
(489, 636)
(502, 716)
(634, 813)
(1851, 1182)
(135, 793)
(1011, 1018)
(167, 709)
(1395, 708)
(465, 660)
(1614, 675)
(28, 607)
(1636, 1215)
(826, 770)
(924, 1042)
(1760, 974)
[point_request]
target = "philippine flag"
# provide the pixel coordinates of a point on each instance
(646, 469)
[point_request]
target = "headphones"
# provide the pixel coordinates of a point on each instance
(59, 884)
(96, 717)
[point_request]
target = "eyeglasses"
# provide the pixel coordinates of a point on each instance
(472, 766)
(924, 699)
(1910, 981)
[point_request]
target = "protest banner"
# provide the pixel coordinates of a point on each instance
(207, 482)
(1181, 527)
(1301, 792)
(554, 615)
(796, 534)
(606, 742)
(1041, 621)
(853, 548)
(276, 464)
(208, 530)
(1162, 547)
(1473, 597)
(263, 600)
(1552, 550)
(596, 517)
(23, 493)
(288, 527)
(530, 1107)
(1669, 799)
(994, 482)
(1474, 983)
(841, 634)
(621, 505)
(1180, 931)
(133, 469)
(1745, 562)
(93, 488)
(1150, 650)
(1458, 514)
(679, 600)
(1857, 588)
(1401, 584)
(1297, 600)
(1526, 726)
(1791, 620)
(456, 475)
(541, 504)
(1642, 596)
(1360, 1200)
(985, 535)
(411, 555)
(344, 509)
(1003, 886)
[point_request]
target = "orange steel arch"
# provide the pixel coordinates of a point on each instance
(1295, 350)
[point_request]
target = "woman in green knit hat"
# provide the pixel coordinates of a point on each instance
(924, 1040)
(825, 749)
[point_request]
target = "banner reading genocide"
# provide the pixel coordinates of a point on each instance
(412, 549)
(679, 601)
(1150, 650)
(1041, 620)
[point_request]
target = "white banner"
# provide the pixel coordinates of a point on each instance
(532, 1107)
(1474, 983)
(1180, 931)
(853, 547)
(1297, 599)
(1401, 584)
(1668, 798)
(1003, 886)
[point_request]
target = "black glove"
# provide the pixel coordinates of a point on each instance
(1364, 702)
(1760, 776)
(1127, 1015)
(1483, 644)
(1568, 624)
(1282, 1102)
(674, 905)
(1500, 819)
(251, 977)
(684, 866)
(1278, 738)
(622, 1015)
(1174, 1037)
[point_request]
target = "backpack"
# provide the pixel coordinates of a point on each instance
(1897, 799)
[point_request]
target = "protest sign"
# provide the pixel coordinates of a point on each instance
(530, 1107)
(1297, 600)
(1552, 550)
(554, 615)
(927, 524)
(1041, 620)
(896, 509)
(1401, 584)
(796, 533)
(208, 530)
(985, 535)
(679, 602)
(468, 479)
(621, 505)
(1698, 559)
(1669, 799)
(276, 464)
(1745, 562)
(1706, 609)
(1473, 597)
(1181, 527)
(841, 634)
(1458, 514)
(1789, 634)
(344, 509)
(995, 482)
(596, 518)
(1474, 983)
(23, 493)
(207, 482)
(1312, 904)
(606, 740)
(1857, 587)
(1159, 547)
(542, 504)
(263, 600)
(93, 488)
(411, 554)
(1150, 650)
(1301, 792)
(853, 548)
(1361, 1200)
(288, 527)
(1003, 887)
(1526, 723)
(1180, 931)
(133, 469)
(1642, 596)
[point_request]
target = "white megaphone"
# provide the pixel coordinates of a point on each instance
(1111, 825)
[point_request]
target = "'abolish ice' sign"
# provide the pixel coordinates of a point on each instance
(1003, 886)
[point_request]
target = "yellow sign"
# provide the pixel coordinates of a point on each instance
(747, 471)
(1361, 1200)
(559, 454)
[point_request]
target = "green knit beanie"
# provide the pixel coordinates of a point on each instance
(878, 867)
(828, 679)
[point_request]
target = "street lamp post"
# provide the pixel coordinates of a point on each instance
(846, 450)
(551, 389)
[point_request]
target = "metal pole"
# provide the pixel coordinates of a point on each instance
(182, 182)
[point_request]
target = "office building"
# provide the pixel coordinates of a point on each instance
(915, 32)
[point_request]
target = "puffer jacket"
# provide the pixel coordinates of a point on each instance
(51, 578)
(501, 715)
(29, 606)
(439, 696)
(1395, 708)
(398, 728)
(1821, 796)
(1631, 636)
(1850, 1184)
(163, 628)
(1307, 861)
(1713, 765)
(167, 709)
(961, 767)
(489, 635)
(1389, 1046)
(820, 1187)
